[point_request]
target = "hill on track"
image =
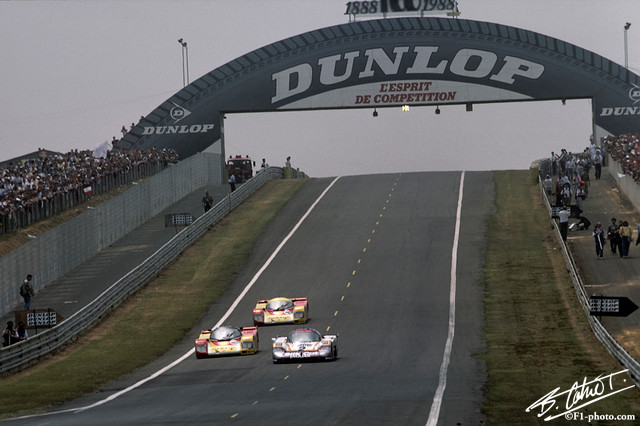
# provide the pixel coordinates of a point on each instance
(537, 336)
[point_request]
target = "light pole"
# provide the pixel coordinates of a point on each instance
(626, 51)
(185, 62)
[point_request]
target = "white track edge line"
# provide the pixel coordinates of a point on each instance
(222, 320)
(225, 316)
(442, 382)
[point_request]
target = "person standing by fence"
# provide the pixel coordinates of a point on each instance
(625, 238)
(26, 291)
(598, 234)
(232, 182)
(613, 233)
(563, 222)
(21, 331)
(207, 201)
(9, 335)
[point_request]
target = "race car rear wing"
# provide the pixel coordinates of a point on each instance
(248, 330)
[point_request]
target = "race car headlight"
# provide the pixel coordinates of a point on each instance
(278, 352)
(324, 351)
(299, 314)
(201, 348)
(258, 317)
(247, 345)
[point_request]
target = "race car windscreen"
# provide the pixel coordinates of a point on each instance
(225, 333)
(304, 336)
(279, 305)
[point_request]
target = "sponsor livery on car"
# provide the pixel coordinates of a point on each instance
(281, 310)
(227, 340)
(305, 343)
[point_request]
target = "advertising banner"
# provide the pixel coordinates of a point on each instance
(392, 8)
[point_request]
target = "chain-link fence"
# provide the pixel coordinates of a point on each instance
(42, 209)
(52, 254)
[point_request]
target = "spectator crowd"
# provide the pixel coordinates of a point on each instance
(568, 175)
(29, 187)
(568, 179)
(567, 182)
(625, 150)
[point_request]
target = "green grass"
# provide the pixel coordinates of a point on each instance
(537, 334)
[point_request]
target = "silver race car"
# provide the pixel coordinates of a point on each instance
(305, 343)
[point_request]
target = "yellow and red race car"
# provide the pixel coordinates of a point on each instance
(281, 310)
(227, 340)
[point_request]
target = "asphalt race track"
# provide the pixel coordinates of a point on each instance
(374, 259)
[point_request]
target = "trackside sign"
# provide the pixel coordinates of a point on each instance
(386, 62)
(391, 7)
(472, 64)
(177, 113)
(173, 130)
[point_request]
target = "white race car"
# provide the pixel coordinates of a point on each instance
(305, 343)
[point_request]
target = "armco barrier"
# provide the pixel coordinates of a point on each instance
(617, 351)
(42, 344)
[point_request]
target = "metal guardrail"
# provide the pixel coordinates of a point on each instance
(42, 344)
(614, 348)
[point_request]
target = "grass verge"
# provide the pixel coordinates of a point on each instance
(538, 337)
(204, 273)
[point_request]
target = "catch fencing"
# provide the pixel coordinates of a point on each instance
(42, 344)
(44, 208)
(52, 254)
(614, 348)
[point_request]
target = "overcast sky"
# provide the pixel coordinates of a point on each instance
(73, 72)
